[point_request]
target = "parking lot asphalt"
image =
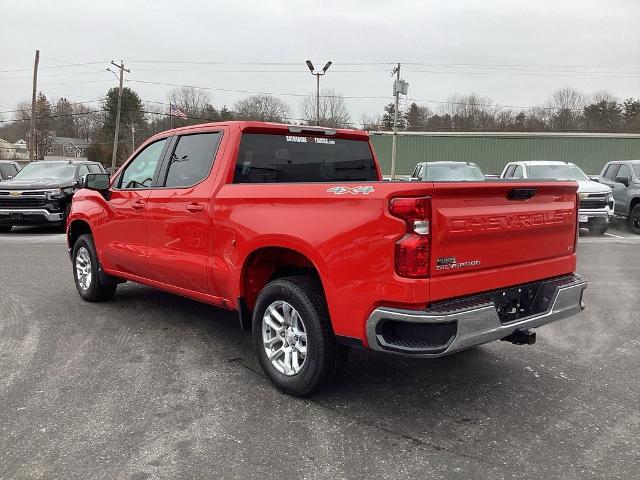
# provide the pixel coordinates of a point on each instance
(151, 385)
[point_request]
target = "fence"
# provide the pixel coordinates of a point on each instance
(491, 151)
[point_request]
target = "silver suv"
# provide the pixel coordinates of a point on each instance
(623, 176)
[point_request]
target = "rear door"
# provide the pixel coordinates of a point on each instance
(495, 228)
(177, 216)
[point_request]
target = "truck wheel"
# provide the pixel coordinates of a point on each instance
(86, 271)
(293, 337)
(5, 228)
(598, 227)
(634, 219)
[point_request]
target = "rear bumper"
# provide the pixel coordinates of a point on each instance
(464, 323)
(24, 216)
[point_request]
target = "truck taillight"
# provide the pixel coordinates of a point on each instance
(412, 251)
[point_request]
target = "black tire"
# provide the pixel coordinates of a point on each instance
(323, 353)
(67, 210)
(634, 219)
(5, 228)
(598, 228)
(95, 290)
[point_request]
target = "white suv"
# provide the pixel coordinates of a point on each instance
(596, 199)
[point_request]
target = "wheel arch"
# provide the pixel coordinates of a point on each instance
(77, 228)
(267, 263)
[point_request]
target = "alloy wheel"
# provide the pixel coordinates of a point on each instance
(284, 338)
(83, 268)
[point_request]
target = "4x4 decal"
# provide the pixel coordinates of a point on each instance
(364, 190)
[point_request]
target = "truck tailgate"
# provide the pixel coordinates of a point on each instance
(488, 235)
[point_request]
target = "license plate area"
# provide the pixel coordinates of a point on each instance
(512, 303)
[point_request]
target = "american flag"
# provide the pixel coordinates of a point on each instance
(176, 112)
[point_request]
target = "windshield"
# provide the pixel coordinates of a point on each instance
(47, 171)
(566, 171)
(453, 173)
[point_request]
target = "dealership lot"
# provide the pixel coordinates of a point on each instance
(151, 385)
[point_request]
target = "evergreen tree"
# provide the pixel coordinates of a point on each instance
(64, 121)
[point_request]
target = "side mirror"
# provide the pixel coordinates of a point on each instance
(623, 180)
(96, 181)
(9, 177)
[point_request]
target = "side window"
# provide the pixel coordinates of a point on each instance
(141, 170)
(7, 170)
(191, 160)
(95, 168)
(509, 172)
(610, 174)
(517, 173)
(624, 172)
(82, 171)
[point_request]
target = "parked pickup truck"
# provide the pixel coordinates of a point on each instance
(596, 199)
(623, 177)
(40, 194)
(292, 227)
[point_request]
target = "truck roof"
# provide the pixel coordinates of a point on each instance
(543, 162)
(273, 128)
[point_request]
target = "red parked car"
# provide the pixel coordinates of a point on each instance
(292, 227)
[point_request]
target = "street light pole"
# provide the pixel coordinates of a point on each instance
(318, 75)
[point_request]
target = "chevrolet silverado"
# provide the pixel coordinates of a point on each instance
(293, 227)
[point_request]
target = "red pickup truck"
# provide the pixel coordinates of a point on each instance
(292, 227)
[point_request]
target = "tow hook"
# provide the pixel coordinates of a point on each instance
(522, 337)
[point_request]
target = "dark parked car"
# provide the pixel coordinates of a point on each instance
(40, 193)
(623, 176)
(447, 172)
(8, 169)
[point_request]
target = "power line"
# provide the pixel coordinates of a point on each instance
(54, 66)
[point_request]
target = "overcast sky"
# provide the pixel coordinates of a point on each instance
(514, 52)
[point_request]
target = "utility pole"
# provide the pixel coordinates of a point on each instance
(32, 143)
(318, 75)
(399, 86)
(115, 137)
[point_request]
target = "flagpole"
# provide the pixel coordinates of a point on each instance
(170, 117)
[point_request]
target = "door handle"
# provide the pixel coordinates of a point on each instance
(137, 205)
(194, 207)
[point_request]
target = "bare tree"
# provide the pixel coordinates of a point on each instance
(192, 101)
(86, 120)
(370, 122)
(603, 96)
(263, 108)
(333, 111)
(471, 111)
(565, 109)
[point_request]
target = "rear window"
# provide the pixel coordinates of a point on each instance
(636, 167)
(265, 158)
(453, 173)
